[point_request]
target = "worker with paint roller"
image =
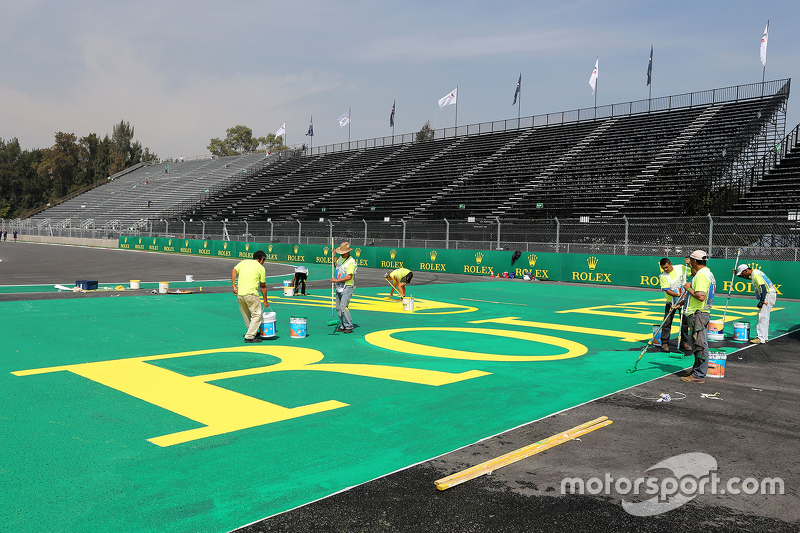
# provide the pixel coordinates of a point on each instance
(345, 284)
(299, 279)
(766, 294)
(672, 279)
(252, 279)
(701, 300)
(399, 278)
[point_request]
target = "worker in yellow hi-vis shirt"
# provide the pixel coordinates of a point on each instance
(766, 294)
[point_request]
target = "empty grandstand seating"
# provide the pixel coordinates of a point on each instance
(669, 161)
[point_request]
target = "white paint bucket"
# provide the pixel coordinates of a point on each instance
(268, 319)
(408, 304)
(163, 287)
(741, 331)
(135, 283)
(716, 365)
(715, 330)
(189, 277)
(656, 335)
(288, 290)
(297, 327)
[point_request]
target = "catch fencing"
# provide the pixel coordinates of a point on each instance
(761, 238)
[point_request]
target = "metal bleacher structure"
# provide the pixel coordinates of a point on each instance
(715, 151)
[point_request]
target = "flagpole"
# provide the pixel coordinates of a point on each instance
(456, 132)
(519, 102)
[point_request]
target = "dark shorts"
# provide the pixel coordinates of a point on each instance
(407, 278)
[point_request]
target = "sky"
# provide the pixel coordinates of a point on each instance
(183, 72)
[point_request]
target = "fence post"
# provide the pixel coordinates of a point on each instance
(365, 227)
(447, 235)
(184, 228)
(246, 230)
(626, 233)
(498, 233)
(166, 227)
(710, 234)
(330, 235)
(203, 236)
(404, 232)
(299, 232)
(271, 231)
(558, 233)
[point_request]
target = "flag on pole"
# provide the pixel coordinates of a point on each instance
(310, 131)
(519, 87)
(344, 120)
(593, 78)
(764, 45)
(450, 99)
(391, 117)
(650, 66)
(281, 130)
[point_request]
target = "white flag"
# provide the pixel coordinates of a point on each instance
(593, 78)
(281, 130)
(344, 120)
(764, 45)
(450, 99)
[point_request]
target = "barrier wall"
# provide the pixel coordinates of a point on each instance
(627, 271)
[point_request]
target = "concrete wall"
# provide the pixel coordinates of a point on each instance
(99, 243)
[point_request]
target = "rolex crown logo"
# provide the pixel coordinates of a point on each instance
(478, 258)
(592, 261)
(755, 266)
(392, 253)
(324, 250)
(433, 255)
(269, 248)
(224, 245)
(140, 240)
(295, 248)
(154, 240)
(126, 239)
(187, 244)
(205, 244)
(247, 247)
(532, 260)
(169, 243)
(358, 252)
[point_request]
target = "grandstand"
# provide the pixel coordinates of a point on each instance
(690, 154)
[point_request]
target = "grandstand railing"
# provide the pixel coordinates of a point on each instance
(664, 103)
(773, 158)
(760, 238)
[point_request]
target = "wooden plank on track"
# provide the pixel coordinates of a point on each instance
(491, 465)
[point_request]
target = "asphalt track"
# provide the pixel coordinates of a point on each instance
(752, 431)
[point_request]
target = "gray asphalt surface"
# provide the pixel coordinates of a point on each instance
(752, 430)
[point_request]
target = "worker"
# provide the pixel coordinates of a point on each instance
(766, 294)
(399, 278)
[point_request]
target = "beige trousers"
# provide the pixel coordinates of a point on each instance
(250, 306)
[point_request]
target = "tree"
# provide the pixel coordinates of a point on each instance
(239, 140)
(426, 132)
(59, 166)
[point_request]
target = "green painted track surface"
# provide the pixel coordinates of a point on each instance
(75, 454)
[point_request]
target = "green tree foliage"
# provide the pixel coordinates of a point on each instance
(240, 140)
(29, 179)
(426, 132)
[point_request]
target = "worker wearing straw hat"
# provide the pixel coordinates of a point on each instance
(345, 284)
(701, 300)
(766, 294)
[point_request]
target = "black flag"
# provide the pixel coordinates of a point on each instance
(519, 87)
(311, 128)
(650, 66)
(391, 117)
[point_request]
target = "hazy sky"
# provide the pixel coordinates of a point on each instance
(183, 72)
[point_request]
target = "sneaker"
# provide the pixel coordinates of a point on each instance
(692, 379)
(685, 346)
(347, 331)
(685, 373)
(339, 329)
(665, 348)
(757, 341)
(254, 339)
